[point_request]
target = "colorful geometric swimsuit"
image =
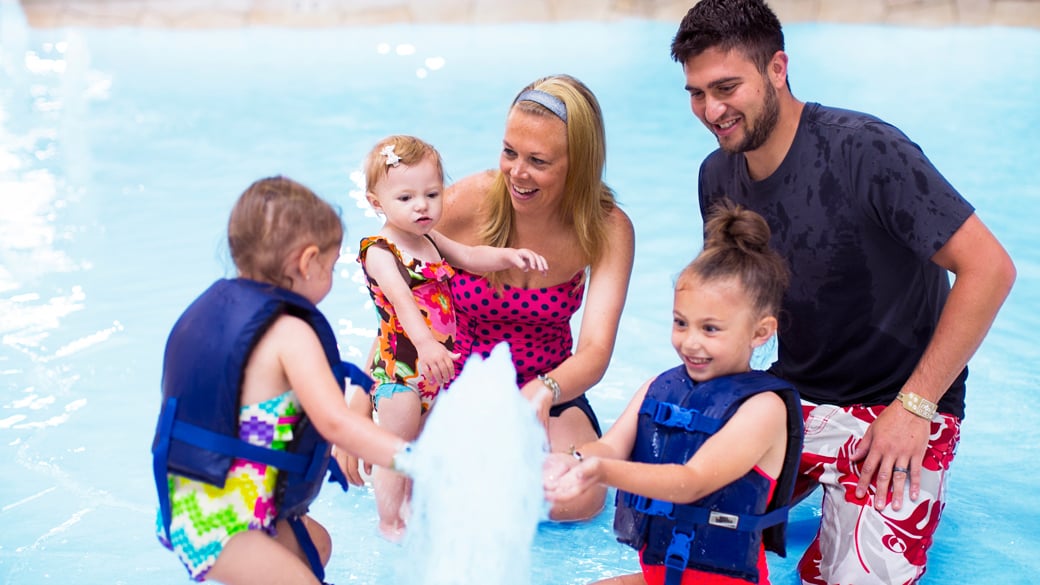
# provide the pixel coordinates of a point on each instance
(535, 322)
(205, 517)
(396, 358)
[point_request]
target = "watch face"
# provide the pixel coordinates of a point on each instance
(920, 406)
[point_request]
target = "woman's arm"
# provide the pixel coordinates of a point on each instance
(984, 274)
(604, 300)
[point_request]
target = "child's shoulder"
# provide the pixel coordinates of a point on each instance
(289, 327)
(764, 406)
(378, 242)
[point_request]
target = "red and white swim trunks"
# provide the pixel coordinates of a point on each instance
(856, 543)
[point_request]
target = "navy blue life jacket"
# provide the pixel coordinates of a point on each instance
(722, 532)
(206, 354)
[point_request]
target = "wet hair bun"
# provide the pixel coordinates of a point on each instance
(732, 226)
(736, 245)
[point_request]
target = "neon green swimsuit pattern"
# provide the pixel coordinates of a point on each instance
(395, 361)
(205, 517)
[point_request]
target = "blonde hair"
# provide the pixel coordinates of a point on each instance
(408, 149)
(274, 219)
(588, 200)
(736, 245)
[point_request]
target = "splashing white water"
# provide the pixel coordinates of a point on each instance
(478, 497)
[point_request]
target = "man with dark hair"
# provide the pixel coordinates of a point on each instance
(872, 334)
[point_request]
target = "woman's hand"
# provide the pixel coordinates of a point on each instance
(541, 399)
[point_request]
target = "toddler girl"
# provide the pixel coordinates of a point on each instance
(408, 266)
(252, 395)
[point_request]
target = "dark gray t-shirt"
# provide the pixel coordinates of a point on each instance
(858, 211)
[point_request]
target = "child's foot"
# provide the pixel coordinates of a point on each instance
(392, 531)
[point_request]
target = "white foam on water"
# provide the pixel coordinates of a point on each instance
(477, 496)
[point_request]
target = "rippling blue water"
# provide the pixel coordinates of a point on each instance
(122, 150)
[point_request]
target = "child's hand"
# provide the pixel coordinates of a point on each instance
(436, 363)
(350, 466)
(360, 403)
(579, 476)
(556, 465)
(525, 260)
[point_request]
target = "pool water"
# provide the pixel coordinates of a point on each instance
(122, 150)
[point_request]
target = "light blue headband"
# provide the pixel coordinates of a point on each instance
(547, 100)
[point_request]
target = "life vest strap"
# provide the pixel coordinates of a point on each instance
(337, 476)
(677, 556)
(692, 515)
(160, 454)
(303, 538)
(357, 376)
(649, 506)
(235, 447)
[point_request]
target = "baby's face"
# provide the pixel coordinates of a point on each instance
(410, 197)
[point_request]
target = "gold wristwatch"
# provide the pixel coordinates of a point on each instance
(918, 405)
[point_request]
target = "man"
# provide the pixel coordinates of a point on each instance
(871, 334)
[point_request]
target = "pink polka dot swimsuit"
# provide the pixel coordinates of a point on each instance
(535, 322)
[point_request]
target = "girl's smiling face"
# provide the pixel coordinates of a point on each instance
(715, 328)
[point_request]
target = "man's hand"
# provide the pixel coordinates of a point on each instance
(892, 449)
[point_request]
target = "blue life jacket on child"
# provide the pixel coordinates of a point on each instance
(197, 432)
(722, 532)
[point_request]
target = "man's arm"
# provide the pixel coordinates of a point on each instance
(983, 274)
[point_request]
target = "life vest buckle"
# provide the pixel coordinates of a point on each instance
(678, 553)
(723, 520)
(673, 415)
(651, 506)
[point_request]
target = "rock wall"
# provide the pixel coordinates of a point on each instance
(328, 13)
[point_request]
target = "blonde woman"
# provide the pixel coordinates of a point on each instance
(547, 195)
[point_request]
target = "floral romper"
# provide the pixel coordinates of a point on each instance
(396, 358)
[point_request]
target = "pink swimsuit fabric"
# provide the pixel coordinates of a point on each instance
(535, 322)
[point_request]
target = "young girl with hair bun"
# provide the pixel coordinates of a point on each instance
(705, 455)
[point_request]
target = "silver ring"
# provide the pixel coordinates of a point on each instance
(897, 469)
